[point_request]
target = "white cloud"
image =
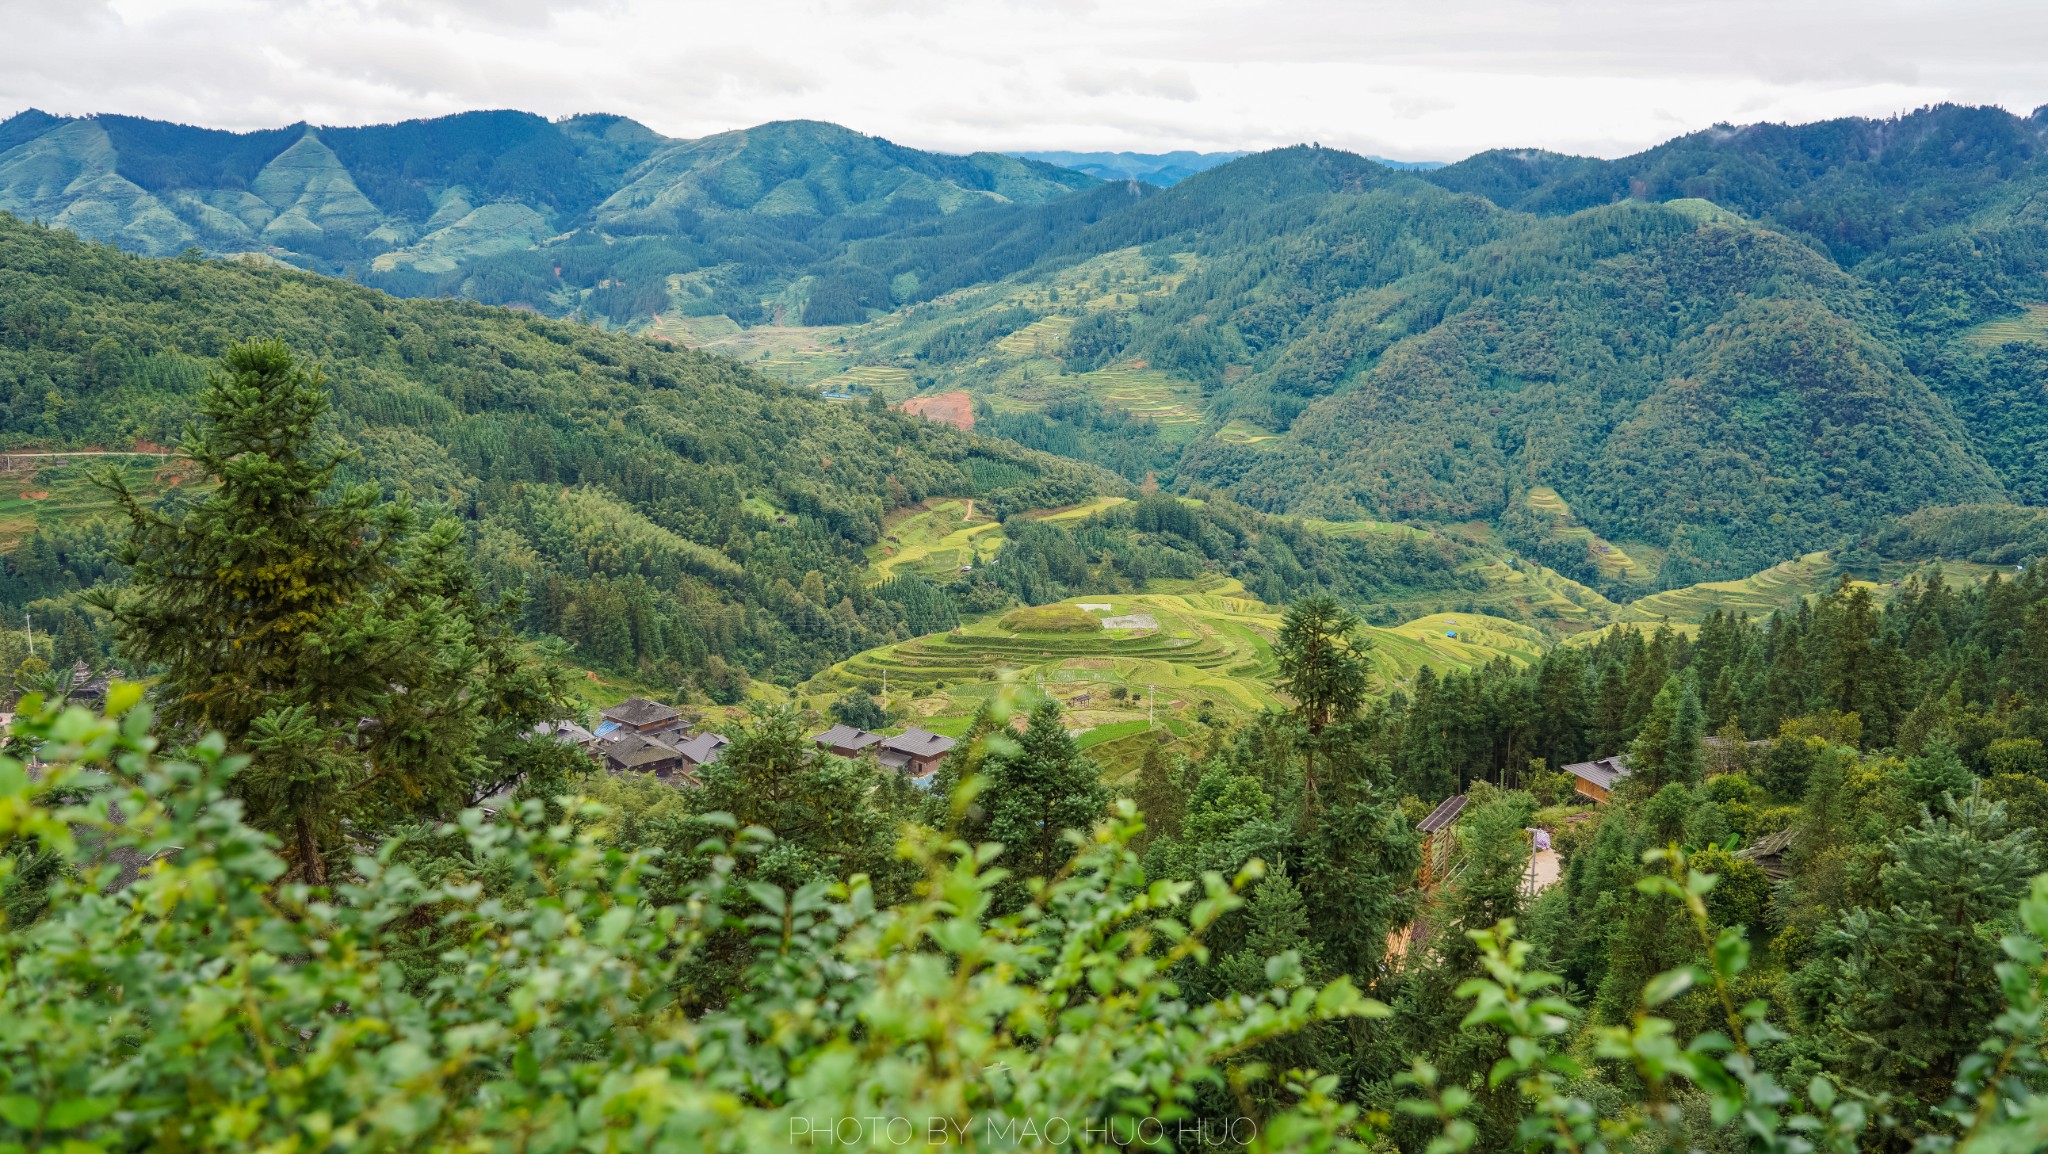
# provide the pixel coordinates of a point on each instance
(1438, 80)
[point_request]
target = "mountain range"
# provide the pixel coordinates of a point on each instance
(1743, 344)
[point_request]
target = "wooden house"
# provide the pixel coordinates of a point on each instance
(1595, 779)
(914, 752)
(846, 740)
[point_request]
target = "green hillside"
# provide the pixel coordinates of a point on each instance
(674, 516)
(1193, 656)
(1703, 393)
(591, 215)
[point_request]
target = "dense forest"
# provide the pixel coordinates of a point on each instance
(670, 515)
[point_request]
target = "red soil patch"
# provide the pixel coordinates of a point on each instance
(955, 408)
(34, 494)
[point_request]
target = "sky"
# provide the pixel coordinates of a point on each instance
(1413, 80)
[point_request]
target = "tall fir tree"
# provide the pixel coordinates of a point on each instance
(321, 632)
(1038, 790)
(1323, 668)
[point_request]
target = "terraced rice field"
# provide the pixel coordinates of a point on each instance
(1364, 529)
(1782, 586)
(1534, 591)
(888, 380)
(41, 492)
(1211, 648)
(935, 539)
(1041, 338)
(2031, 325)
(1613, 561)
(1242, 432)
(1175, 406)
(1079, 512)
(801, 356)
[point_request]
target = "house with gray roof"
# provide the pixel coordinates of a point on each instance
(702, 750)
(1595, 780)
(846, 740)
(915, 752)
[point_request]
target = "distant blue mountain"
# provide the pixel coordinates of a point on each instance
(1167, 168)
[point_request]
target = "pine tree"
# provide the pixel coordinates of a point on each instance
(320, 632)
(1158, 796)
(1914, 980)
(1668, 747)
(1278, 923)
(1322, 667)
(1040, 790)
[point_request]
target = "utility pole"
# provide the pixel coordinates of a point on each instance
(28, 627)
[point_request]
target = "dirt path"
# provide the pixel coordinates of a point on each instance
(1545, 869)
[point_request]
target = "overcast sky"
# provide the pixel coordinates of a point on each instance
(1417, 79)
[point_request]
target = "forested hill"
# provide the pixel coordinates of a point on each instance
(592, 213)
(1856, 185)
(1854, 329)
(672, 514)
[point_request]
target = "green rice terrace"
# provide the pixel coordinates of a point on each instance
(945, 534)
(1198, 652)
(1195, 657)
(2031, 325)
(46, 489)
(1613, 561)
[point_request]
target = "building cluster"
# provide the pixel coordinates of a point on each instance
(642, 736)
(915, 753)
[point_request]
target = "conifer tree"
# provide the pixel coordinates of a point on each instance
(1038, 791)
(1914, 980)
(320, 632)
(1158, 796)
(1668, 747)
(1322, 667)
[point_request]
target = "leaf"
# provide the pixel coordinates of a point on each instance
(1731, 951)
(1669, 984)
(78, 1111)
(20, 1111)
(770, 897)
(122, 696)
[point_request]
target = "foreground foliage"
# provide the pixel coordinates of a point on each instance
(514, 984)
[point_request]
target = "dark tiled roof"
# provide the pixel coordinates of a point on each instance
(565, 731)
(703, 749)
(846, 737)
(919, 743)
(1603, 772)
(1442, 815)
(638, 711)
(633, 750)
